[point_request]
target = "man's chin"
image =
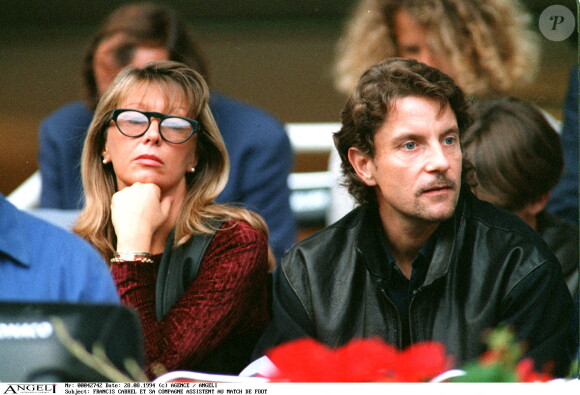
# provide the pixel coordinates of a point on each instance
(439, 212)
(438, 218)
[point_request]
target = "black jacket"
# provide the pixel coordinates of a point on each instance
(488, 268)
(562, 238)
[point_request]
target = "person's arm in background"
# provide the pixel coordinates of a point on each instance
(265, 187)
(61, 137)
(261, 160)
(564, 197)
(50, 168)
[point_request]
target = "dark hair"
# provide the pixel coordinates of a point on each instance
(516, 152)
(368, 108)
(140, 23)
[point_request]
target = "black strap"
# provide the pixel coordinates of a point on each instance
(178, 268)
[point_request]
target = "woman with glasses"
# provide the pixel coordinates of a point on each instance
(134, 34)
(152, 165)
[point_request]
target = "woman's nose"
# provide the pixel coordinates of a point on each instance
(153, 133)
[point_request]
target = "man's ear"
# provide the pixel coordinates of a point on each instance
(363, 165)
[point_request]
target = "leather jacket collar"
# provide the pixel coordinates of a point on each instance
(446, 246)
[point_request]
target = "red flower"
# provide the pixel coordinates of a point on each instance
(361, 360)
(423, 361)
(526, 374)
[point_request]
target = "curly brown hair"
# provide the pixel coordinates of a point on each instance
(369, 106)
(488, 45)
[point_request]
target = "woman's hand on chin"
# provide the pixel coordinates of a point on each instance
(137, 212)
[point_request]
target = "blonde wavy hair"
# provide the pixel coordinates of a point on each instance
(487, 44)
(181, 84)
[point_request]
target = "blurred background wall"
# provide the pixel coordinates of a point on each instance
(276, 54)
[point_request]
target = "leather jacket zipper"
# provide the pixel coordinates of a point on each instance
(399, 325)
(411, 336)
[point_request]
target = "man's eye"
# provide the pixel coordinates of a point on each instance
(449, 140)
(409, 146)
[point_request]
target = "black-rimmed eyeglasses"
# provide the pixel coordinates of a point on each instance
(134, 123)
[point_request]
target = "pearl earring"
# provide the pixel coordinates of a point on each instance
(105, 161)
(192, 170)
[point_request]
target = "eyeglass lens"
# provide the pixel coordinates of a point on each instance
(134, 124)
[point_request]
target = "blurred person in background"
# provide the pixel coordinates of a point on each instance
(486, 47)
(518, 160)
(259, 149)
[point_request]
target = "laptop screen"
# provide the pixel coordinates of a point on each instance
(32, 347)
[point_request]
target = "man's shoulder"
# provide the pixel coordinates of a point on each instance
(51, 263)
(503, 229)
(326, 246)
(494, 217)
(53, 238)
(42, 240)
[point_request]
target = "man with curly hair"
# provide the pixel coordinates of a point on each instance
(420, 258)
(487, 47)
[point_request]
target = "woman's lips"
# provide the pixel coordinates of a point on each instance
(149, 160)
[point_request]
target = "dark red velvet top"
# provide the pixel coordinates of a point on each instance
(227, 301)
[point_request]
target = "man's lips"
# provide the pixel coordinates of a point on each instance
(438, 187)
(149, 160)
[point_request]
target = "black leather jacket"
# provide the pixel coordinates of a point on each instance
(562, 238)
(488, 268)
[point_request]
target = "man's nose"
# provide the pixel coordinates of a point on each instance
(437, 159)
